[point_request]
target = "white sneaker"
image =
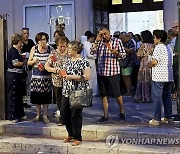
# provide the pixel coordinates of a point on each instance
(57, 114)
(15, 120)
(154, 122)
(24, 117)
(166, 121)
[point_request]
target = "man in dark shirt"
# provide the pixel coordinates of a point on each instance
(175, 28)
(27, 45)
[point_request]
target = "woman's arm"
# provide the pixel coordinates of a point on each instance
(18, 64)
(49, 68)
(31, 59)
(152, 63)
(86, 75)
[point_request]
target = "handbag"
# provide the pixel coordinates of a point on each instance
(123, 63)
(81, 98)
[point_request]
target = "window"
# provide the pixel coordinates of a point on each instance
(137, 1)
(136, 21)
(115, 2)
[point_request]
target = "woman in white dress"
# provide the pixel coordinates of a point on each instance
(91, 59)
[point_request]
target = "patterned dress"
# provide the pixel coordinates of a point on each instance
(41, 82)
(74, 68)
(57, 64)
(143, 88)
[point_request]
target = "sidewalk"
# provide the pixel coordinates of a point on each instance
(114, 137)
(137, 114)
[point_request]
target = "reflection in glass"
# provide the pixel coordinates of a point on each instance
(158, 0)
(137, 1)
(115, 2)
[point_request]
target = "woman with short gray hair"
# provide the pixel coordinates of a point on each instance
(14, 78)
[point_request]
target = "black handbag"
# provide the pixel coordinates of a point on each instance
(81, 98)
(123, 63)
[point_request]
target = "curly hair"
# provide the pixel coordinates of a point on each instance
(39, 36)
(76, 45)
(15, 39)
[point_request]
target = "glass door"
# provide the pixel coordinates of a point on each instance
(47, 17)
(35, 18)
(61, 15)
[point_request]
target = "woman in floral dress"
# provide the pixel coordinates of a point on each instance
(143, 88)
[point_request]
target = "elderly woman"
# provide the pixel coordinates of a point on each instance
(54, 64)
(76, 67)
(162, 79)
(41, 83)
(14, 79)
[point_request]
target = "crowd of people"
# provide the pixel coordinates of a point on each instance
(42, 71)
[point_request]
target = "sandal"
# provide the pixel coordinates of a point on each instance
(36, 119)
(76, 142)
(68, 139)
(46, 120)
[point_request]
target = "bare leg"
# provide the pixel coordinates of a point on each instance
(105, 106)
(45, 118)
(128, 85)
(127, 81)
(38, 109)
(120, 103)
(45, 108)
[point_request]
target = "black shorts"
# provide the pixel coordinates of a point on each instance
(109, 85)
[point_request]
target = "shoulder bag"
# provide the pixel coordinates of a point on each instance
(81, 98)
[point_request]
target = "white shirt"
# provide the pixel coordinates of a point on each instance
(86, 50)
(163, 71)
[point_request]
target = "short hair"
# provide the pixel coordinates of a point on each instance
(89, 34)
(138, 36)
(76, 45)
(103, 27)
(15, 39)
(160, 34)
(25, 28)
(59, 32)
(62, 39)
(39, 36)
(116, 34)
(147, 36)
(171, 32)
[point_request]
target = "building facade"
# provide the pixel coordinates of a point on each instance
(40, 16)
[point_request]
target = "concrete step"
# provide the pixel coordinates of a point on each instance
(14, 144)
(93, 132)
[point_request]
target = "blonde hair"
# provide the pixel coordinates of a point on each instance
(15, 39)
(76, 45)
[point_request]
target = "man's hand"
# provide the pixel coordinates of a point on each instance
(99, 37)
(114, 51)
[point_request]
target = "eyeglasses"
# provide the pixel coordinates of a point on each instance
(44, 39)
(25, 28)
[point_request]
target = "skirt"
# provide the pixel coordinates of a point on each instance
(41, 91)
